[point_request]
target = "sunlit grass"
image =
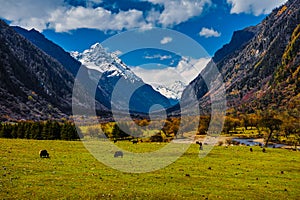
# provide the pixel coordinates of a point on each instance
(73, 173)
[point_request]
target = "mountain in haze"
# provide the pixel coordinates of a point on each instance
(260, 66)
(112, 70)
(33, 84)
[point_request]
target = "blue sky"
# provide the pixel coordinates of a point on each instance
(76, 25)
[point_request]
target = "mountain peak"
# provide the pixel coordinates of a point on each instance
(97, 58)
(34, 30)
(96, 46)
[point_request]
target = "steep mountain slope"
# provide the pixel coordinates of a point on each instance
(70, 64)
(32, 84)
(50, 48)
(262, 70)
(111, 69)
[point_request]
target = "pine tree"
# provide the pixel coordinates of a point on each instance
(6, 131)
(55, 131)
(46, 131)
(27, 133)
(14, 130)
(35, 130)
(21, 130)
(64, 134)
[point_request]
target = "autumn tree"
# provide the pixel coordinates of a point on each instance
(229, 125)
(272, 124)
(203, 125)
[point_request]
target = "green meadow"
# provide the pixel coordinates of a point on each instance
(73, 173)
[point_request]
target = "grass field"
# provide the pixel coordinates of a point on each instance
(72, 173)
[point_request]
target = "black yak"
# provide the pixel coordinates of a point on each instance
(200, 145)
(118, 154)
(44, 154)
(135, 141)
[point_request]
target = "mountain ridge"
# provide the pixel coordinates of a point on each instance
(26, 89)
(248, 70)
(50, 48)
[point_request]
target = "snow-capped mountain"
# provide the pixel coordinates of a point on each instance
(98, 59)
(171, 91)
(112, 70)
(171, 81)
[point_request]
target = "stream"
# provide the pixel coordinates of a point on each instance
(252, 142)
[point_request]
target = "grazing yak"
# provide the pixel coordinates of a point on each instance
(44, 154)
(118, 154)
(200, 145)
(135, 141)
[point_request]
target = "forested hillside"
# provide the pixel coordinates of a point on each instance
(260, 66)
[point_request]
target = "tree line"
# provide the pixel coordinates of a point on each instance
(44, 130)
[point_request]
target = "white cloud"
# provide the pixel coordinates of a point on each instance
(166, 40)
(206, 32)
(177, 11)
(157, 56)
(29, 13)
(98, 18)
(255, 7)
(185, 71)
(62, 17)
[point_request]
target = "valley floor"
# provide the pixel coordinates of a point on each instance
(73, 173)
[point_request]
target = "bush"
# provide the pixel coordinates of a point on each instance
(229, 141)
(220, 143)
(157, 138)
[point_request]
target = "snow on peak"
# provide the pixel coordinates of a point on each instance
(171, 91)
(97, 58)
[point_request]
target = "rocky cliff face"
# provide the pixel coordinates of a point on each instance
(260, 66)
